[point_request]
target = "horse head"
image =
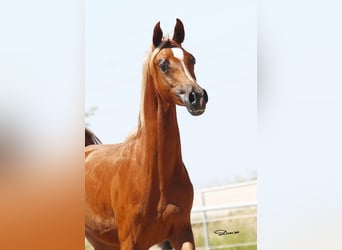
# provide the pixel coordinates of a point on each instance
(174, 71)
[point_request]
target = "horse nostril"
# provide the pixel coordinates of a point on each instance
(192, 97)
(205, 96)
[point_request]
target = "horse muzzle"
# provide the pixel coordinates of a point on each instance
(195, 101)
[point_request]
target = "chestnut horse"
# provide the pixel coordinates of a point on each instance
(138, 192)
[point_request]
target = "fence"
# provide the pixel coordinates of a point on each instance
(216, 206)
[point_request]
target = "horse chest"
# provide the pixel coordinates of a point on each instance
(99, 223)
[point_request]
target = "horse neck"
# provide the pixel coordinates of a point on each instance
(159, 133)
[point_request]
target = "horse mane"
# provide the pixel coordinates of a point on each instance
(146, 73)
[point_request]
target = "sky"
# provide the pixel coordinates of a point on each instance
(221, 35)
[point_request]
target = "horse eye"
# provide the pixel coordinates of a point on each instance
(163, 65)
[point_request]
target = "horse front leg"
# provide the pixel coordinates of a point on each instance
(183, 238)
(127, 241)
(130, 237)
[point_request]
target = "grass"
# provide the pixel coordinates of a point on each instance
(244, 221)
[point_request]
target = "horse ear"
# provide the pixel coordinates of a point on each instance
(157, 35)
(178, 35)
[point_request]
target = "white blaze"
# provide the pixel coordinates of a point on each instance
(179, 54)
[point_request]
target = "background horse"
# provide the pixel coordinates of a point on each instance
(90, 138)
(138, 192)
